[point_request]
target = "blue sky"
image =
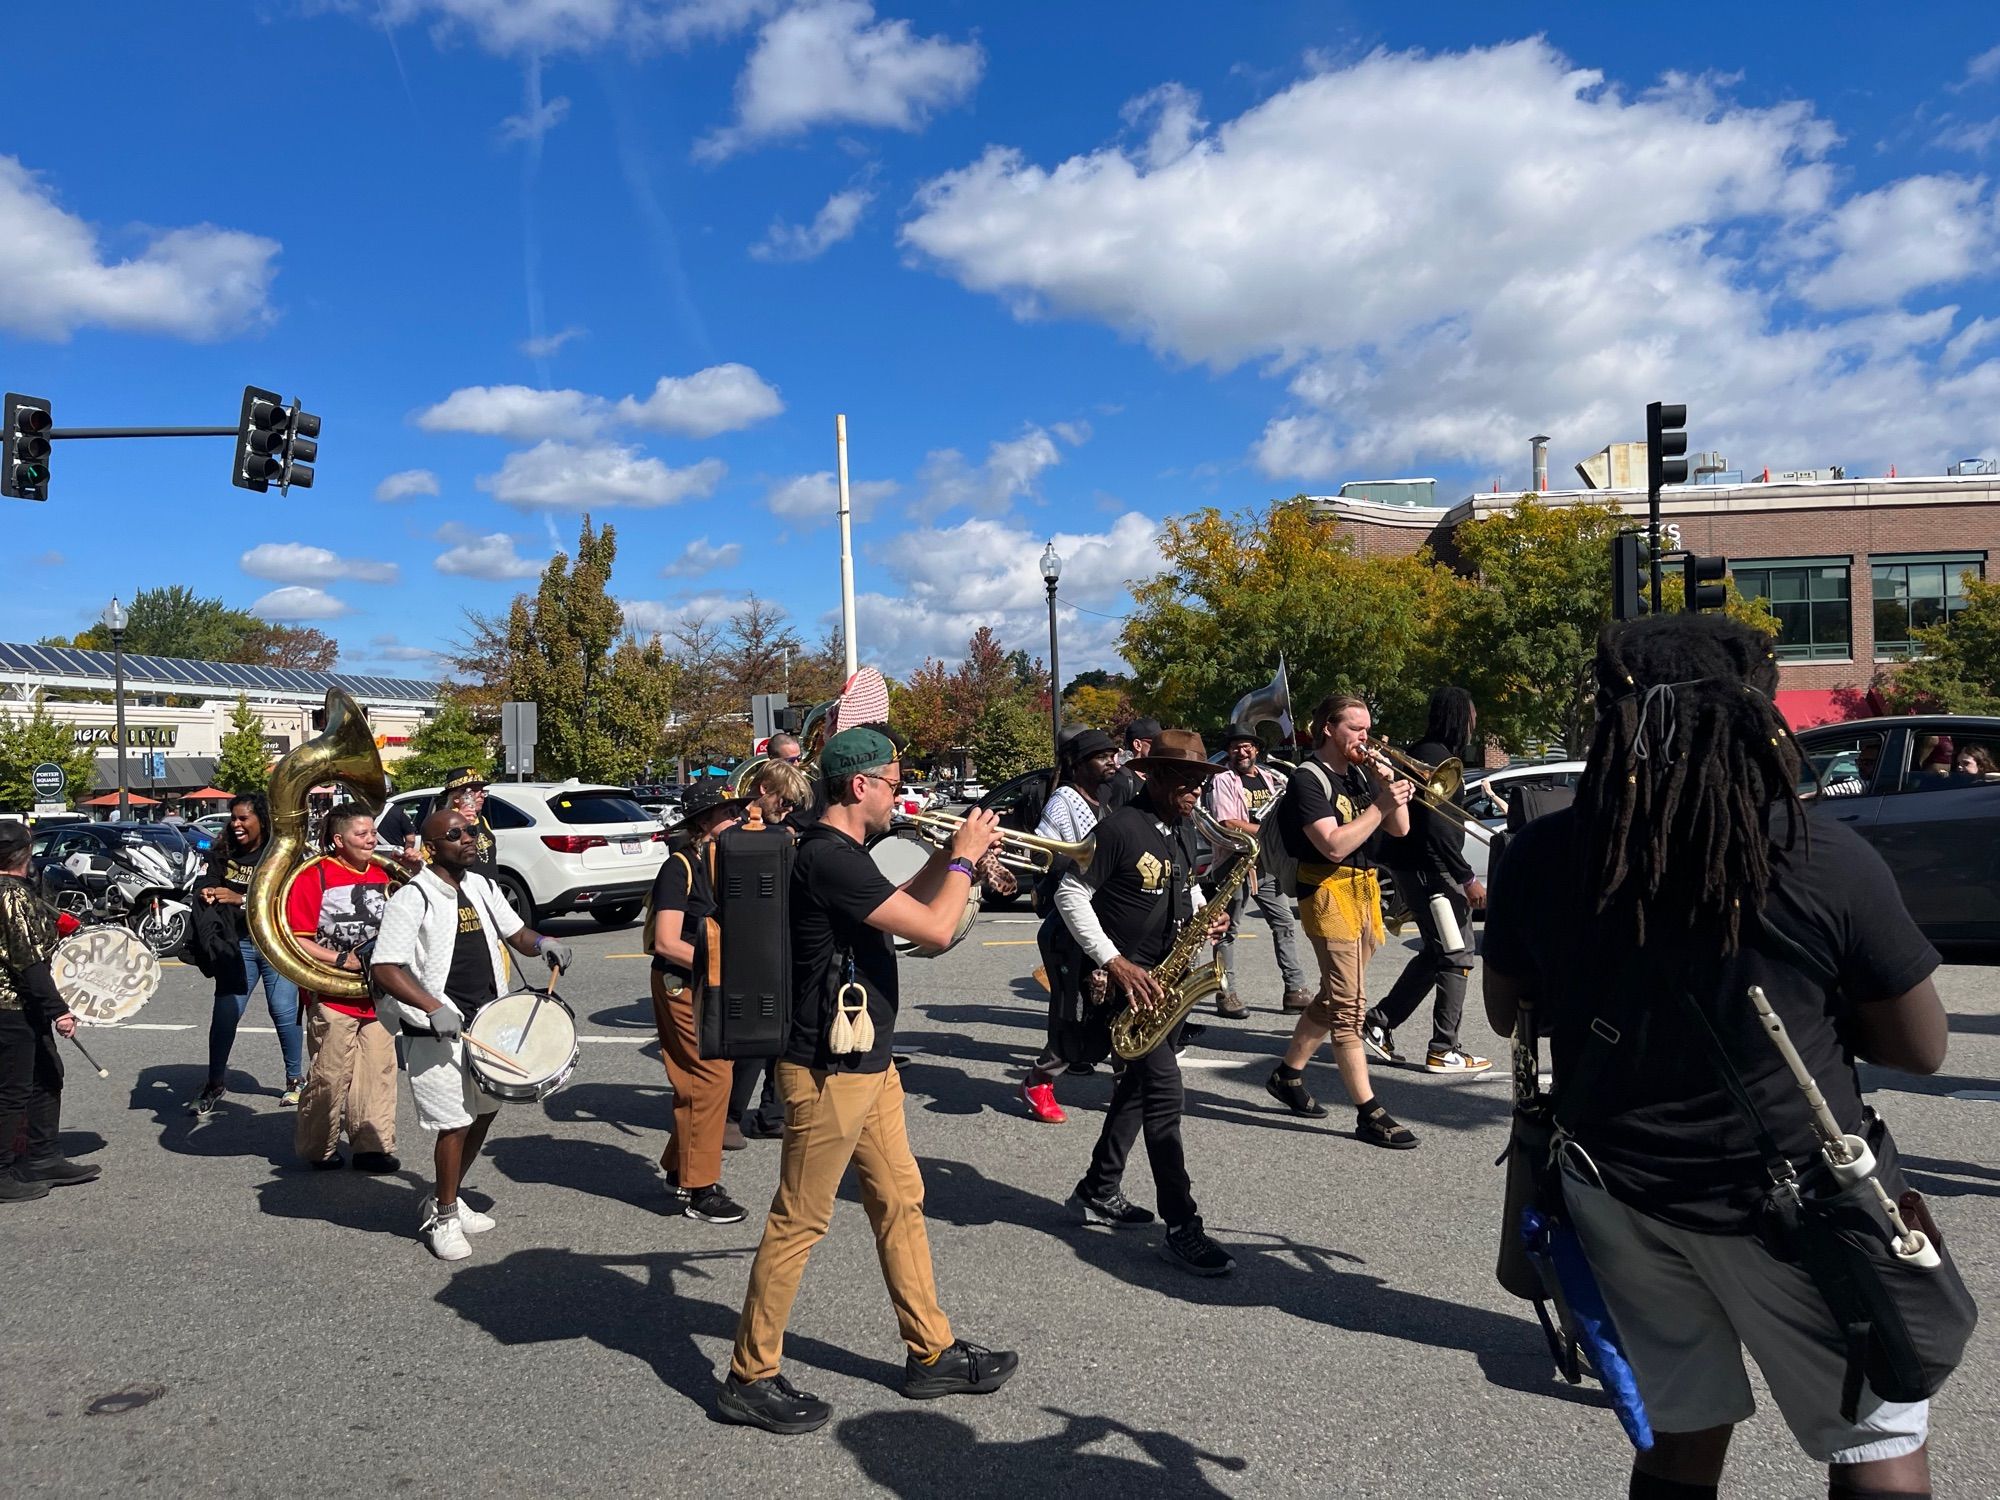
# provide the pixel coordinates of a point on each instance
(1067, 270)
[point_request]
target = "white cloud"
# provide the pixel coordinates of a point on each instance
(650, 617)
(814, 499)
(1013, 468)
(830, 62)
(1441, 254)
(541, 27)
(295, 603)
(198, 283)
(491, 557)
(1174, 114)
(836, 221)
(722, 398)
(295, 562)
(549, 343)
(535, 121)
(389, 648)
(405, 483)
(699, 557)
(564, 476)
(1916, 233)
(984, 572)
(1982, 69)
(515, 411)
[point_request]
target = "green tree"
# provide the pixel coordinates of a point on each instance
(638, 699)
(1010, 738)
(26, 742)
(1958, 668)
(245, 765)
(1106, 708)
(173, 620)
(558, 650)
(441, 746)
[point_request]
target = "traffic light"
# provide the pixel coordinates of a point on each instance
(1628, 576)
(273, 443)
(1666, 441)
(24, 448)
(1704, 582)
(261, 431)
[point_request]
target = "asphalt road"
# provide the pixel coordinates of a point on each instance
(211, 1319)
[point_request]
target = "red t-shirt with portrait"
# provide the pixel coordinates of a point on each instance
(340, 908)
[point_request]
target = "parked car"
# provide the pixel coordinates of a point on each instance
(568, 846)
(212, 824)
(1925, 791)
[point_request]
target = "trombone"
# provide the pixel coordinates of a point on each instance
(1437, 786)
(1017, 851)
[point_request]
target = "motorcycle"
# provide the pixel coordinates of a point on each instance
(147, 887)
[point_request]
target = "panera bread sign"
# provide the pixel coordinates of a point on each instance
(154, 736)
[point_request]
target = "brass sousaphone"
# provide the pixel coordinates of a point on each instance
(343, 753)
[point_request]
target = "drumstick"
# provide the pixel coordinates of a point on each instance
(535, 1009)
(492, 1051)
(77, 1042)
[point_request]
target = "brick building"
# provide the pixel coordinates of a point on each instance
(1850, 566)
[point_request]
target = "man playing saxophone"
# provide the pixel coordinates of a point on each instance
(1125, 911)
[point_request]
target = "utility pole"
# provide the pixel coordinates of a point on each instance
(846, 552)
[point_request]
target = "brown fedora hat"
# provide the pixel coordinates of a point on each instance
(1176, 750)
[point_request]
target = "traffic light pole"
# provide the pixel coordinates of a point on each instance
(137, 432)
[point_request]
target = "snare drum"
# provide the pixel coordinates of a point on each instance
(899, 856)
(547, 1053)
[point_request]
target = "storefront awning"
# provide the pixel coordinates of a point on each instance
(1805, 707)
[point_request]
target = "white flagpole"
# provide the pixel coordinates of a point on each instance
(846, 549)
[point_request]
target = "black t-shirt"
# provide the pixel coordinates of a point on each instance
(1257, 793)
(1125, 787)
(1667, 1138)
(1306, 802)
(227, 866)
(394, 826)
(470, 983)
(1435, 844)
(835, 885)
(683, 885)
(1141, 874)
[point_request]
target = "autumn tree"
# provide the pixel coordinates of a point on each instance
(1096, 707)
(558, 647)
(635, 707)
(298, 646)
(699, 728)
(1957, 669)
(818, 675)
(924, 710)
(245, 763)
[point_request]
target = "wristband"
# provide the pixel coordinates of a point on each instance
(963, 866)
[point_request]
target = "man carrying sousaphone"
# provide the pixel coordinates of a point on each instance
(1125, 912)
(437, 961)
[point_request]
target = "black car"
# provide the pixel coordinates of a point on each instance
(1925, 791)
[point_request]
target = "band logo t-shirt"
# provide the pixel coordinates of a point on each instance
(470, 983)
(1257, 793)
(1667, 1138)
(229, 867)
(1141, 873)
(683, 885)
(835, 885)
(338, 907)
(1307, 801)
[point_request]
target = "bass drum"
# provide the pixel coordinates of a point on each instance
(104, 974)
(899, 855)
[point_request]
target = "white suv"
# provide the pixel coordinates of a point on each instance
(566, 846)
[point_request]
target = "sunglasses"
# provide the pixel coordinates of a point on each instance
(456, 835)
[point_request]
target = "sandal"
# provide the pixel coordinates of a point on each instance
(1379, 1128)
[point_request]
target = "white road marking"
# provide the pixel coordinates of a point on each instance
(141, 1026)
(638, 1041)
(1974, 1094)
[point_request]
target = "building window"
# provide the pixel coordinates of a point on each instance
(1916, 593)
(1809, 595)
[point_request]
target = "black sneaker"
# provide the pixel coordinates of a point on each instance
(762, 1127)
(713, 1206)
(378, 1162)
(15, 1188)
(775, 1405)
(1291, 1092)
(962, 1370)
(331, 1163)
(1189, 1247)
(677, 1196)
(1112, 1208)
(1379, 1042)
(1078, 1070)
(202, 1105)
(60, 1171)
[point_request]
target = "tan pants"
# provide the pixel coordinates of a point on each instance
(353, 1073)
(701, 1091)
(830, 1120)
(1341, 1005)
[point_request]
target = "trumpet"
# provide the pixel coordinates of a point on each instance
(1437, 787)
(1017, 851)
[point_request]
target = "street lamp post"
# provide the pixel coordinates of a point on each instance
(114, 621)
(1051, 571)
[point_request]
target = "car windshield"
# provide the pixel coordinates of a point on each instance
(596, 807)
(164, 834)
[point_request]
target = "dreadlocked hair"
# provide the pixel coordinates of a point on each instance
(1448, 719)
(1687, 759)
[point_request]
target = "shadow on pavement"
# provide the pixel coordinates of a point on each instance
(1888, 1080)
(631, 1015)
(923, 1453)
(593, 1167)
(1975, 1025)
(1951, 1179)
(75, 1143)
(639, 1110)
(1308, 1282)
(236, 1128)
(391, 1205)
(550, 1296)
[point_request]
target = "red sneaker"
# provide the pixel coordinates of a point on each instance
(1041, 1101)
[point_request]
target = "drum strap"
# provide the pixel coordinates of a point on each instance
(712, 929)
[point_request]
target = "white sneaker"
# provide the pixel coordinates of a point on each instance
(1455, 1061)
(470, 1219)
(444, 1236)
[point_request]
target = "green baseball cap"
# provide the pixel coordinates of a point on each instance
(853, 751)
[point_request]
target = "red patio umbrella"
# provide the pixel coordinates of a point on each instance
(110, 799)
(206, 794)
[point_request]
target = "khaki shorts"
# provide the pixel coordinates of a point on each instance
(1342, 1002)
(1687, 1305)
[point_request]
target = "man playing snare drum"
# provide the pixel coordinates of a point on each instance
(438, 960)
